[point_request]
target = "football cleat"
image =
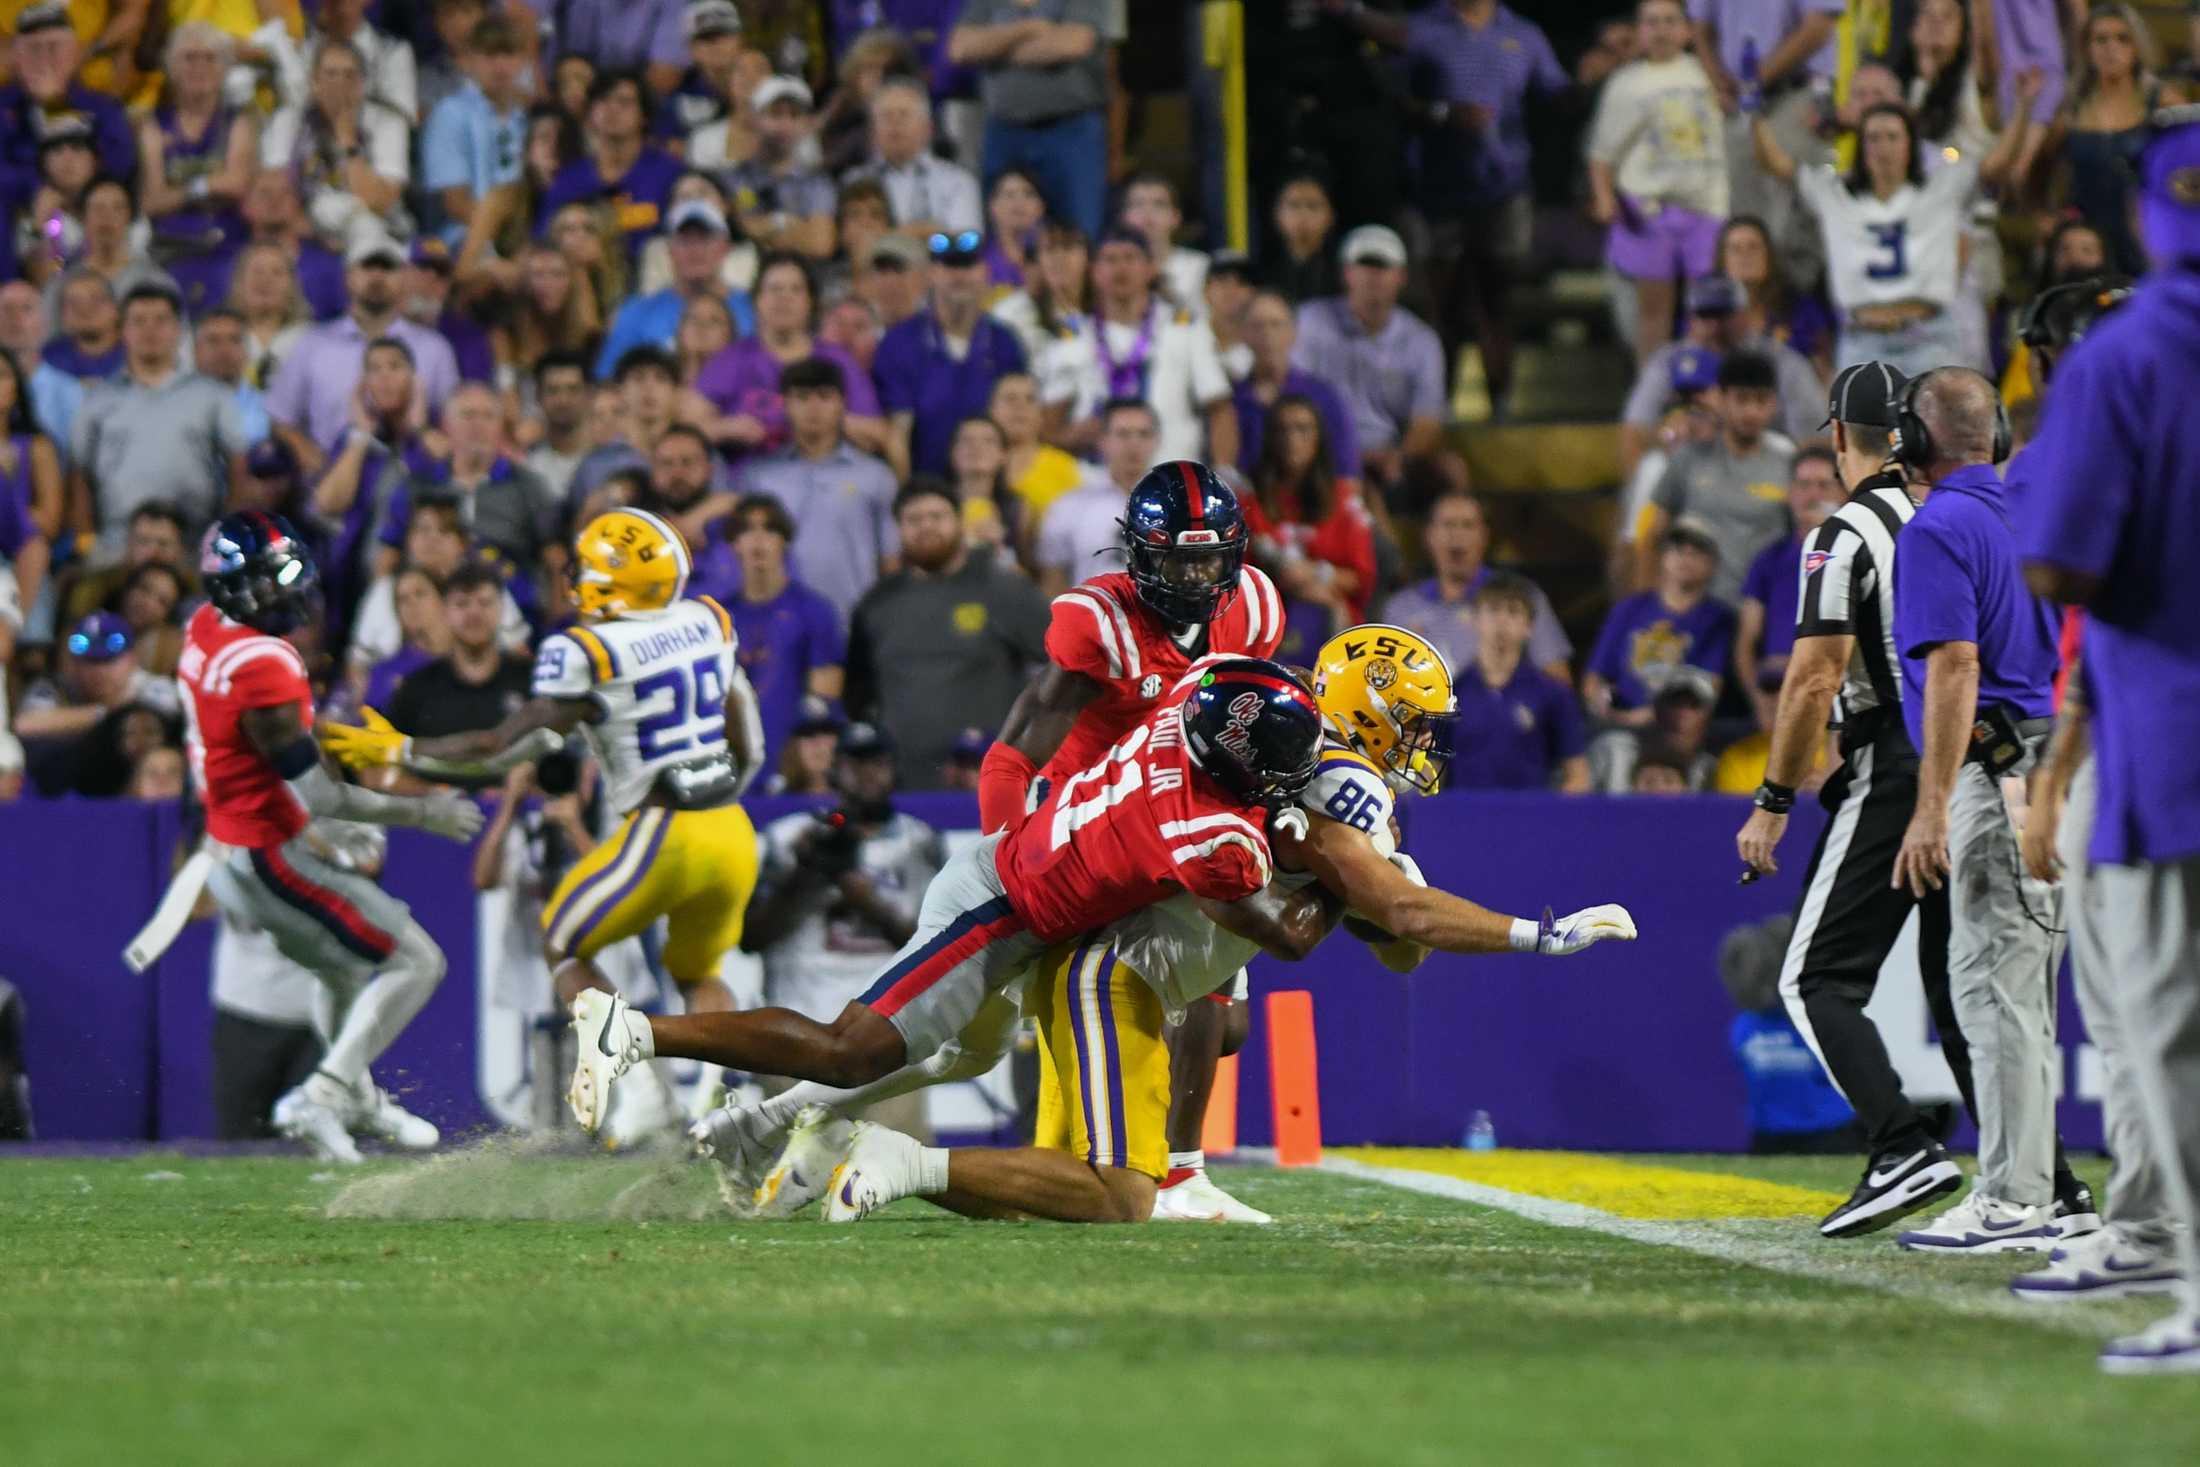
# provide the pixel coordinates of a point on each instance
(609, 1039)
(303, 1115)
(2167, 1347)
(1982, 1223)
(879, 1167)
(1895, 1184)
(2098, 1265)
(1187, 1195)
(381, 1115)
(740, 1145)
(805, 1164)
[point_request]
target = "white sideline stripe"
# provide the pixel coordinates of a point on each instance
(1809, 1257)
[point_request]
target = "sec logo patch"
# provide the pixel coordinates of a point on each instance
(1150, 687)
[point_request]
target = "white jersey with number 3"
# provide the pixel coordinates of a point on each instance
(661, 682)
(1900, 248)
(1183, 956)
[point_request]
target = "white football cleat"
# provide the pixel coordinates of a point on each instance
(381, 1115)
(1982, 1223)
(1195, 1198)
(880, 1167)
(307, 1114)
(609, 1039)
(740, 1144)
(804, 1167)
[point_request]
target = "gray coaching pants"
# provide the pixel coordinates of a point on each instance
(2137, 1207)
(2151, 917)
(2001, 977)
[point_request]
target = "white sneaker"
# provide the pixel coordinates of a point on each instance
(1982, 1223)
(740, 1144)
(312, 1114)
(804, 1168)
(381, 1115)
(609, 1039)
(2099, 1265)
(1195, 1198)
(2167, 1347)
(880, 1167)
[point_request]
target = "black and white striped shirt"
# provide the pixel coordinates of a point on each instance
(1848, 590)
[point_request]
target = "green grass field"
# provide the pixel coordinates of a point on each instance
(499, 1308)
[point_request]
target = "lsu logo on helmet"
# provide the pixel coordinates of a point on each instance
(627, 562)
(1386, 694)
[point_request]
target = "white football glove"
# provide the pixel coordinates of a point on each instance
(454, 817)
(1570, 934)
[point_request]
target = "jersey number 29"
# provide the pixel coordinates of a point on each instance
(681, 707)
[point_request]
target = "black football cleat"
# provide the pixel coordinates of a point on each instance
(1895, 1184)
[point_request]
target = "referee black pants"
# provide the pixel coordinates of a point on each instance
(1846, 924)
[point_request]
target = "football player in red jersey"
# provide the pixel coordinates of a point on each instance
(1116, 645)
(1181, 803)
(249, 712)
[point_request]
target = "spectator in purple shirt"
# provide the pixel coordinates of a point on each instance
(1651, 634)
(1472, 215)
(792, 645)
(628, 36)
(1271, 330)
(1385, 360)
(427, 302)
(939, 366)
(1772, 590)
(1519, 728)
(44, 95)
(742, 382)
(312, 393)
(618, 165)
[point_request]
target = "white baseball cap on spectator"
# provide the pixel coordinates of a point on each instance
(375, 245)
(781, 89)
(707, 18)
(697, 213)
(1374, 244)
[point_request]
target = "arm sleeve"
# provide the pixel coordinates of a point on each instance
(1934, 599)
(269, 676)
(894, 380)
(2084, 467)
(1428, 379)
(1757, 580)
(861, 394)
(1830, 569)
(562, 669)
(1615, 118)
(962, 209)
(445, 160)
(1653, 389)
(1210, 384)
(1226, 867)
(1820, 187)
(1549, 76)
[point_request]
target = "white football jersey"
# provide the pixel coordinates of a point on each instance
(1183, 956)
(1901, 248)
(661, 682)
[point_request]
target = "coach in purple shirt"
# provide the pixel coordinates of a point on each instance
(312, 391)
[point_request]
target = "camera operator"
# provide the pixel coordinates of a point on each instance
(839, 894)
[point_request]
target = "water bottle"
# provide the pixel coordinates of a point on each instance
(1481, 1134)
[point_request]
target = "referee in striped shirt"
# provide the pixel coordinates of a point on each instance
(1851, 913)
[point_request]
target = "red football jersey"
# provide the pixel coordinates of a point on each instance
(1128, 832)
(227, 668)
(1102, 629)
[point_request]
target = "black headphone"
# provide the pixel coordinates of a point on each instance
(1913, 441)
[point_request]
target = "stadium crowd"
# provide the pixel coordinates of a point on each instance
(878, 304)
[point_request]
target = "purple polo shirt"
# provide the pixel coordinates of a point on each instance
(1643, 640)
(843, 510)
(1491, 66)
(744, 378)
(312, 389)
(1960, 583)
(1775, 582)
(1387, 377)
(623, 34)
(1512, 737)
(1337, 424)
(782, 640)
(639, 197)
(916, 375)
(2115, 493)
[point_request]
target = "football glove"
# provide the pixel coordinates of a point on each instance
(1570, 934)
(454, 817)
(376, 741)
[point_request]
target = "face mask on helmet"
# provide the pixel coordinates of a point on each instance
(1422, 756)
(1185, 585)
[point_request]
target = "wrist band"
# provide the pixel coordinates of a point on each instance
(1775, 799)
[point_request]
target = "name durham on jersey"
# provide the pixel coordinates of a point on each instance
(659, 645)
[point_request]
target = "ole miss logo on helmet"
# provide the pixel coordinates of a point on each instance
(1236, 739)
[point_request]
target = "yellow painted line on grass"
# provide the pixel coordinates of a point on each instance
(1623, 1188)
